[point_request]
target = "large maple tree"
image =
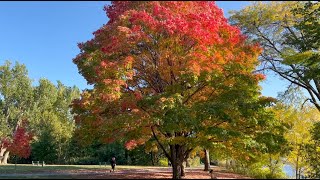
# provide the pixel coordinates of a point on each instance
(175, 73)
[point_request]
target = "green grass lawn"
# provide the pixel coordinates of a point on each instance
(29, 168)
(28, 171)
(26, 168)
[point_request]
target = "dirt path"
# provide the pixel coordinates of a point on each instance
(123, 173)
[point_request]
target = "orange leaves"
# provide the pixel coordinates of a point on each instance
(260, 77)
(128, 60)
(125, 30)
(107, 81)
(108, 64)
(131, 144)
(149, 49)
(195, 67)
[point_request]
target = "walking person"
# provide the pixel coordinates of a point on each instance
(113, 163)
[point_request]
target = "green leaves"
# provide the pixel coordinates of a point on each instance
(299, 58)
(289, 34)
(16, 96)
(45, 107)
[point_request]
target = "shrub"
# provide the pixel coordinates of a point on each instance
(163, 162)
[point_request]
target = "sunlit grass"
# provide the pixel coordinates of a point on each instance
(29, 168)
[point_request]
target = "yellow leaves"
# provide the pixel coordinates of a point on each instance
(193, 153)
(265, 14)
(300, 122)
(297, 58)
(307, 23)
(167, 102)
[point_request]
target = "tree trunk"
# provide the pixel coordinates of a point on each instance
(227, 164)
(206, 160)
(177, 161)
(2, 150)
(5, 157)
(183, 172)
(297, 166)
(176, 168)
(187, 163)
(233, 164)
(152, 158)
(177, 155)
(1, 154)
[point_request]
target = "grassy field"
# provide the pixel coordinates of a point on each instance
(28, 168)
(27, 171)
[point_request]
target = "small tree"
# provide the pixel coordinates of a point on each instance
(20, 144)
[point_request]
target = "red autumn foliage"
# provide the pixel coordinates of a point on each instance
(147, 47)
(20, 144)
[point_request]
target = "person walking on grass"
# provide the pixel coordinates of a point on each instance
(113, 163)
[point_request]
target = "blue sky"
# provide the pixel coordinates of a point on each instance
(44, 36)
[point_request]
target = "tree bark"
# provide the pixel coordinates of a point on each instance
(177, 155)
(176, 168)
(183, 172)
(206, 160)
(152, 158)
(2, 150)
(5, 157)
(177, 160)
(297, 163)
(187, 163)
(297, 167)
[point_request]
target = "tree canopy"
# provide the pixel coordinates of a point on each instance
(175, 72)
(29, 113)
(289, 34)
(15, 99)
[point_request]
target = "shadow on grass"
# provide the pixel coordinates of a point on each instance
(26, 168)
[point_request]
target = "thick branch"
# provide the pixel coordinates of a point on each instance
(164, 150)
(313, 99)
(317, 83)
(186, 154)
(267, 39)
(199, 89)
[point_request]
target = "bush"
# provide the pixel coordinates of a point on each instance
(163, 162)
(258, 172)
(194, 162)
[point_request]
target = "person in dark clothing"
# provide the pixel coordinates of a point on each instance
(113, 163)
